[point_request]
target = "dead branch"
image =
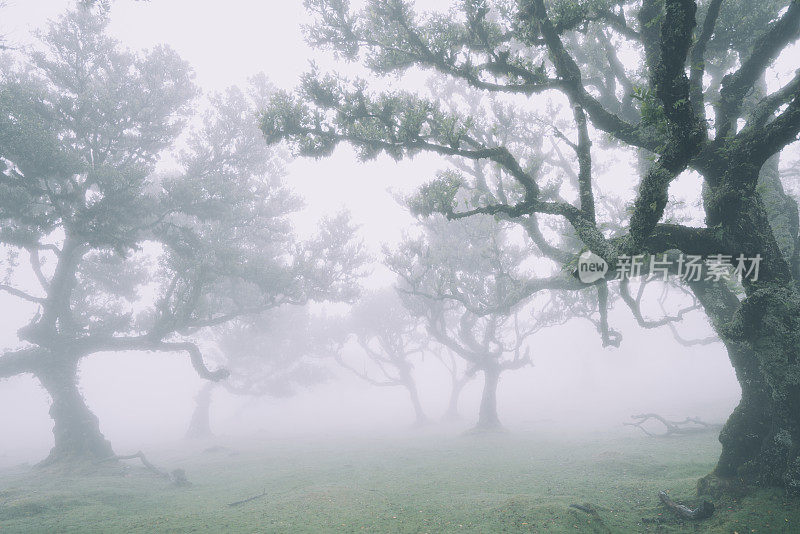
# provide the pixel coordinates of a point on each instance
(689, 425)
(249, 499)
(704, 511)
(176, 476)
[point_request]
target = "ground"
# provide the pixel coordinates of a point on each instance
(512, 482)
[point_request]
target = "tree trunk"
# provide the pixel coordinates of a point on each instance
(75, 428)
(487, 416)
(411, 386)
(200, 425)
(455, 394)
(760, 439)
(761, 442)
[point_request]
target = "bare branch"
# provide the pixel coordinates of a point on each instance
(196, 357)
(21, 294)
(736, 85)
(363, 375)
(17, 362)
(688, 342)
(149, 344)
(765, 109)
(569, 72)
(697, 58)
(583, 150)
(687, 426)
(634, 305)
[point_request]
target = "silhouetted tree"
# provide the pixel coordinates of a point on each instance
(391, 339)
(458, 379)
(126, 259)
(474, 257)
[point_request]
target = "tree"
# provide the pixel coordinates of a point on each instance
(127, 259)
(267, 355)
(458, 379)
(692, 60)
(478, 258)
(390, 338)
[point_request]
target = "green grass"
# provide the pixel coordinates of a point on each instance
(472, 483)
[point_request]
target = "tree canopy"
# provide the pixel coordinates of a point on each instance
(688, 96)
(128, 257)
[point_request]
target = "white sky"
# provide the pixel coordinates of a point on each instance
(226, 43)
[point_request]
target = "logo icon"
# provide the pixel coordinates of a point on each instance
(591, 267)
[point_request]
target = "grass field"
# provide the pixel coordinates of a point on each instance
(457, 483)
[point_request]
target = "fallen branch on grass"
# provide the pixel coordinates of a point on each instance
(176, 476)
(690, 425)
(704, 511)
(249, 499)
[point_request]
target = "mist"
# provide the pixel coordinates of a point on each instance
(399, 266)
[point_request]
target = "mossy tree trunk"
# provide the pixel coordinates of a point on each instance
(747, 428)
(76, 429)
(761, 440)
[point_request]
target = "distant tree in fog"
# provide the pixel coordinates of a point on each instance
(389, 340)
(122, 258)
(459, 377)
(271, 354)
(475, 257)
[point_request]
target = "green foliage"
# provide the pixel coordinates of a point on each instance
(739, 24)
(437, 196)
(82, 124)
(328, 110)
(571, 14)
(651, 108)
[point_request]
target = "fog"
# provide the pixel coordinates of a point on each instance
(574, 387)
(596, 388)
(587, 374)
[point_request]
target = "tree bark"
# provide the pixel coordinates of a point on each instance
(200, 425)
(487, 416)
(76, 429)
(761, 440)
(768, 324)
(749, 425)
(411, 386)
